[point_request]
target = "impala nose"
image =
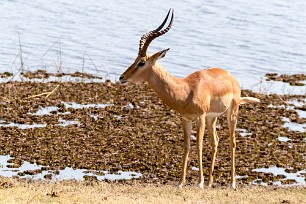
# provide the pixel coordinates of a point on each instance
(121, 79)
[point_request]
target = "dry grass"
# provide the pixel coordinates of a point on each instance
(12, 191)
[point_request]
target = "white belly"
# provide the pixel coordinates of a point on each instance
(213, 114)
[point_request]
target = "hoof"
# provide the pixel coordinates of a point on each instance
(200, 186)
(210, 183)
(180, 186)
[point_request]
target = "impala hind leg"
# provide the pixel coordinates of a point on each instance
(200, 134)
(232, 121)
(214, 140)
(187, 134)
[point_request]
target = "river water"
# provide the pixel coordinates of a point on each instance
(248, 38)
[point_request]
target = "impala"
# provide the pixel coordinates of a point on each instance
(202, 96)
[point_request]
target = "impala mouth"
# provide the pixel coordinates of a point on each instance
(124, 81)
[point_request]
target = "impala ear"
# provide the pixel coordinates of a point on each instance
(163, 53)
(160, 54)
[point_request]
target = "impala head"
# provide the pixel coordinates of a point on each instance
(140, 69)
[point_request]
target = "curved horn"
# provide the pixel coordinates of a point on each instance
(147, 38)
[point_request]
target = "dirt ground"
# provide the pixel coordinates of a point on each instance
(132, 130)
(12, 191)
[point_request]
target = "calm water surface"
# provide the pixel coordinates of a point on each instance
(248, 38)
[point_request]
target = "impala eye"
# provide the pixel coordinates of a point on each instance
(142, 63)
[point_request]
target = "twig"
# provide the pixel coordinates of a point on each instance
(16, 56)
(52, 91)
(46, 52)
(46, 93)
(83, 60)
(83, 64)
(60, 56)
(13, 65)
(94, 65)
(97, 70)
(50, 48)
(20, 54)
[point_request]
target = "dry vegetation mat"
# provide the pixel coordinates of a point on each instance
(130, 129)
(293, 80)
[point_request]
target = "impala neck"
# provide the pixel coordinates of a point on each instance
(170, 89)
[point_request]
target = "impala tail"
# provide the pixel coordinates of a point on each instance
(244, 100)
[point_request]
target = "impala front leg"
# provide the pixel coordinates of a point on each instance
(200, 134)
(187, 133)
